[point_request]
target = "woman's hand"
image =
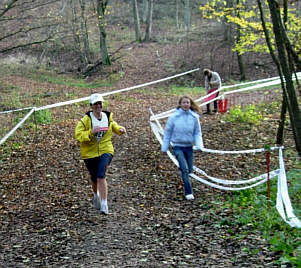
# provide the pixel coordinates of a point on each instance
(122, 130)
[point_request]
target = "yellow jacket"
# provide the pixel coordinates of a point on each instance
(88, 144)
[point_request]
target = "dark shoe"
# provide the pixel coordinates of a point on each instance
(96, 202)
(208, 112)
(215, 111)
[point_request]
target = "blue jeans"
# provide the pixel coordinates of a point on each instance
(184, 156)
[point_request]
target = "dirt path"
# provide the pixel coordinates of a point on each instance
(48, 219)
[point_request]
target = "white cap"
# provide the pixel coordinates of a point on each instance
(96, 98)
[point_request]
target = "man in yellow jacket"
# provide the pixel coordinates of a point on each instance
(94, 132)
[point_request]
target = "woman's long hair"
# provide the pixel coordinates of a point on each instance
(193, 106)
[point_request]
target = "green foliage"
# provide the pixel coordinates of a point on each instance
(13, 101)
(247, 115)
(52, 77)
(294, 32)
(269, 107)
(246, 18)
(182, 90)
(252, 208)
(16, 145)
(115, 77)
(72, 82)
(43, 116)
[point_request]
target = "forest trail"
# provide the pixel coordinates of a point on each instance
(48, 218)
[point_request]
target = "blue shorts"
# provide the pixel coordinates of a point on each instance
(98, 166)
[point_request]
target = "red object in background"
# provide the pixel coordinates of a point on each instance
(222, 105)
(211, 97)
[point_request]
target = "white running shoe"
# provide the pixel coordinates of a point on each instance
(189, 197)
(104, 209)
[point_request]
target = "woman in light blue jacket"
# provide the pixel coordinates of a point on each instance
(183, 131)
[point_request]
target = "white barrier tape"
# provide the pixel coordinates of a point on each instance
(162, 115)
(267, 84)
(171, 156)
(260, 81)
(224, 187)
(251, 151)
(273, 173)
(253, 82)
(16, 110)
(283, 203)
(87, 98)
(275, 81)
(16, 126)
(116, 91)
(158, 127)
(169, 112)
(62, 103)
(209, 95)
(146, 84)
(154, 129)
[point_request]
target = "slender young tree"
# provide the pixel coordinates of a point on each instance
(187, 15)
(282, 43)
(149, 21)
(177, 14)
(136, 21)
(75, 31)
(145, 10)
(280, 131)
(84, 31)
(101, 9)
(240, 61)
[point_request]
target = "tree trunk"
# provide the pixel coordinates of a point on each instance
(239, 56)
(136, 21)
(187, 15)
(101, 8)
(149, 21)
(280, 130)
(289, 90)
(145, 10)
(75, 30)
(84, 31)
(241, 67)
(228, 36)
(177, 14)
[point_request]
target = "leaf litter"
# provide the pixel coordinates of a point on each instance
(47, 217)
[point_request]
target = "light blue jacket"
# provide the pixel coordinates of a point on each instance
(182, 129)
